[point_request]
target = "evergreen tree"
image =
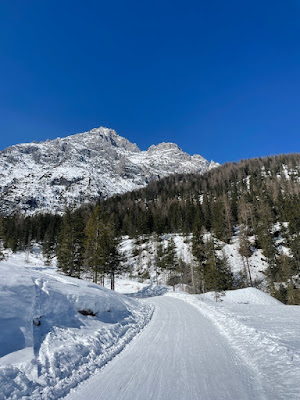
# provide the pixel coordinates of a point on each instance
(293, 294)
(295, 249)
(199, 254)
(113, 257)
(217, 274)
(70, 244)
(210, 268)
(224, 274)
(171, 259)
(93, 253)
(280, 293)
(49, 241)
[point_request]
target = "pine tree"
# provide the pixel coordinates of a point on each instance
(199, 254)
(49, 241)
(171, 259)
(295, 249)
(217, 273)
(224, 274)
(113, 257)
(210, 268)
(158, 259)
(293, 294)
(70, 244)
(93, 253)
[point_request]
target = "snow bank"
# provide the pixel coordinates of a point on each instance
(55, 331)
(263, 332)
(243, 296)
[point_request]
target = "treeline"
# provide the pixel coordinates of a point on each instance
(245, 192)
(261, 196)
(81, 241)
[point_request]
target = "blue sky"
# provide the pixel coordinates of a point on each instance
(219, 78)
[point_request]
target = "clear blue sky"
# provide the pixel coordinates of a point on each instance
(219, 78)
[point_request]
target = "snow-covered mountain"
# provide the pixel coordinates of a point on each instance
(48, 176)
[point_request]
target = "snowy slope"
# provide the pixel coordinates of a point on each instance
(140, 256)
(48, 176)
(46, 345)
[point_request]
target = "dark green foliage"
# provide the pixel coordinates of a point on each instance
(170, 257)
(101, 253)
(217, 274)
(295, 249)
(70, 244)
(218, 200)
(174, 280)
(280, 293)
(93, 253)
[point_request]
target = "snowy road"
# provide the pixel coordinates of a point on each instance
(180, 355)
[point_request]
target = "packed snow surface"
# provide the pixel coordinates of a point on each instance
(47, 342)
(262, 331)
(179, 356)
(243, 347)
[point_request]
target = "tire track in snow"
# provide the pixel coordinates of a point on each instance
(180, 355)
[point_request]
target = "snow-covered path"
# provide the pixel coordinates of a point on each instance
(180, 355)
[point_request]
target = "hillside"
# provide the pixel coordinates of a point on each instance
(240, 222)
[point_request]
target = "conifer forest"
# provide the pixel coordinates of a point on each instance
(256, 199)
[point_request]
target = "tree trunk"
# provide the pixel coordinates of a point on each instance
(112, 281)
(248, 266)
(192, 276)
(245, 272)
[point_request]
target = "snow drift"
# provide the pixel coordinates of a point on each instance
(55, 331)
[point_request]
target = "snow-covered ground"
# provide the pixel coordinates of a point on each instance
(179, 356)
(47, 345)
(262, 331)
(140, 256)
(244, 346)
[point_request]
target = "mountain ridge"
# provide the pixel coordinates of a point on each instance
(67, 172)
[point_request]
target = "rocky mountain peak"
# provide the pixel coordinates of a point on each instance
(164, 146)
(55, 174)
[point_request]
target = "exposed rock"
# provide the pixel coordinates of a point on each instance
(49, 176)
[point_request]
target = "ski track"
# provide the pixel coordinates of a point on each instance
(180, 355)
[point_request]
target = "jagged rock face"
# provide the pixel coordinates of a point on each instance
(52, 175)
